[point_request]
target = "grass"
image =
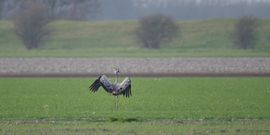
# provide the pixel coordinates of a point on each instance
(153, 98)
(117, 39)
(158, 106)
(245, 127)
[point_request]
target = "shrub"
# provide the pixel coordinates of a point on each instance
(31, 24)
(245, 32)
(156, 29)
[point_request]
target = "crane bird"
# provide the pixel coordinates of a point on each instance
(115, 89)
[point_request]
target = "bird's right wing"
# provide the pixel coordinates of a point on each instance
(102, 81)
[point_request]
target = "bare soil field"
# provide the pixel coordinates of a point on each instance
(208, 66)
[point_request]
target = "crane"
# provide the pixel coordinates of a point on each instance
(116, 88)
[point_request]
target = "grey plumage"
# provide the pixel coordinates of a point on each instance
(116, 89)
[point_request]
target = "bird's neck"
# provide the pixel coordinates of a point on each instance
(116, 78)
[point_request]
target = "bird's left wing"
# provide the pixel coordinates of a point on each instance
(125, 87)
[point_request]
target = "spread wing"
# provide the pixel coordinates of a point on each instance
(102, 81)
(125, 87)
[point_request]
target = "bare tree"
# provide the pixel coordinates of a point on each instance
(57, 9)
(1, 8)
(156, 29)
(31, 24)
(51, 5)
(77, 10)
(245, 32)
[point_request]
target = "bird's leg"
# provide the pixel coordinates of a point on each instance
(117, 102)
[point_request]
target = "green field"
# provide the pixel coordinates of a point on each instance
(244, 127)
(117, 38)
(158, 106)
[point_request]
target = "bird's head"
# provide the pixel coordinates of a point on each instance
(116, 70)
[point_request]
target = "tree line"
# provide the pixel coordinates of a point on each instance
(134, 9)
(56, 9)
(183, 9)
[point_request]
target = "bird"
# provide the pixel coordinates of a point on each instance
(116, 88)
